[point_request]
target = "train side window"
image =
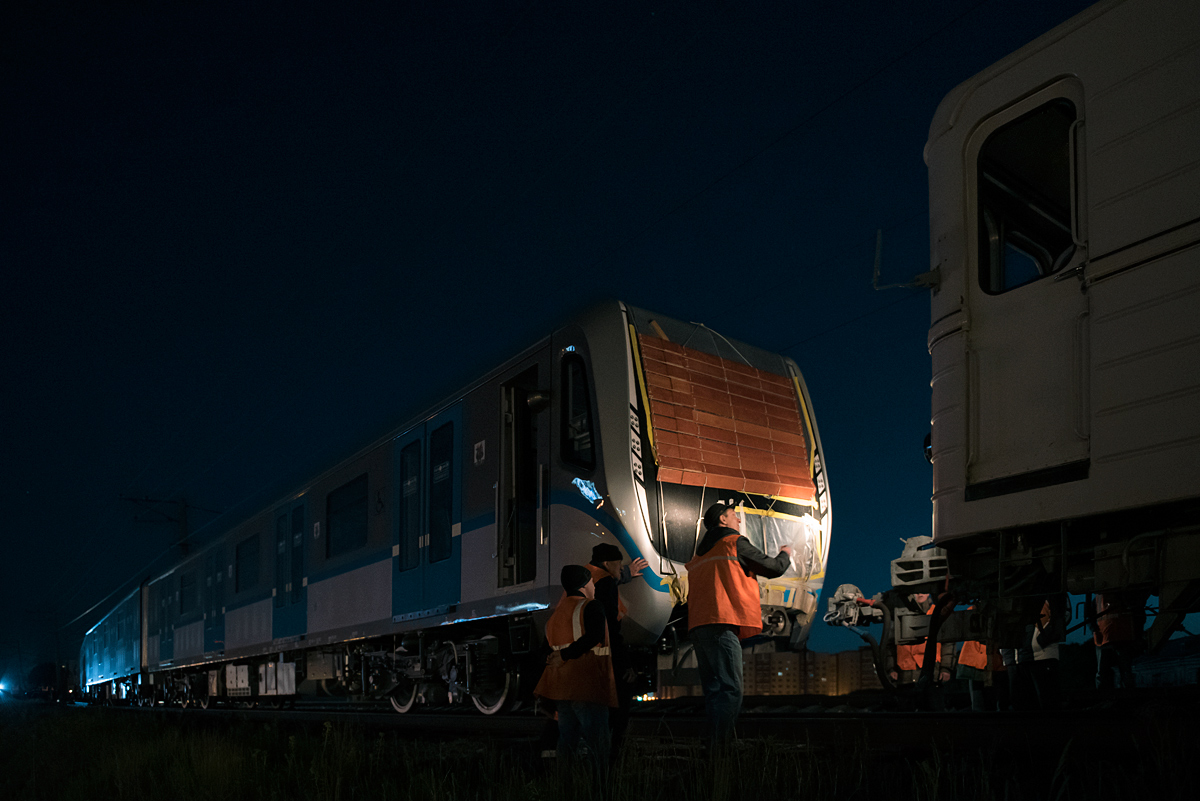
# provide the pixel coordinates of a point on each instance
(247, 564)
(577, 439)
(346, 511)
(1024, 186)
(410, 505)
(187, 594)
(441, 492)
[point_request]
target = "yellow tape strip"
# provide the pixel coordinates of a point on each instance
(637, 363)
(808, 433)
(771, 513)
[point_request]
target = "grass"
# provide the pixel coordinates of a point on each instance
(67, 754)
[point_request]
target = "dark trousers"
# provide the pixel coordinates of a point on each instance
(719, 659)
(582, 722)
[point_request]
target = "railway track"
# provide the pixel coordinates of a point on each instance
(680, 723)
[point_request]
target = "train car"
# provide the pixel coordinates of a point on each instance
(110, 660)
(422, 568)
(1064, 186)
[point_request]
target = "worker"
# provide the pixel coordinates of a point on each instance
(579, 671)
(723, 609)
(609, 571)
(978, 663)
(1048, 632)
(1115, 637)
(910, 660)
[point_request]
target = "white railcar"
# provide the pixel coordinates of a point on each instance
(1065, 329)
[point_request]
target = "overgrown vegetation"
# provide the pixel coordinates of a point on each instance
(66, 754)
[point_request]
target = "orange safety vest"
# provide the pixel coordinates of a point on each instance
(912, 657)
(974, 653)
(598, 575)
(588, 678)
(719, 591)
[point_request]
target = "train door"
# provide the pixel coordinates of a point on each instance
(522, 521)
(290, 612)
(168, 602)
(214, 599)
(428, 545)
(1027, 335)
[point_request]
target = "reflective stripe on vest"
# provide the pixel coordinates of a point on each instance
(588, 678)
(720, 592)
(577, 632)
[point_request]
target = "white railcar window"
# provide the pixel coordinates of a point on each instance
(1025, 189)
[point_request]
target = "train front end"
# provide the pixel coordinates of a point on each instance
(704, 419)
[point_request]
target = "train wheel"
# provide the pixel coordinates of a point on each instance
(204, 701)
(498, 698)
(404, 697)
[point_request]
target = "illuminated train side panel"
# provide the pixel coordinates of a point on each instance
(110, 658)
(1065, 229)
(432, 556)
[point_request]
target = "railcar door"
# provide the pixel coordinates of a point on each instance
(522, 491)
(290, 612)
(427, 549)
(214, 600)
(1027, 335)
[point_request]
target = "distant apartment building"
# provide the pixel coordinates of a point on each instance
(779, 673)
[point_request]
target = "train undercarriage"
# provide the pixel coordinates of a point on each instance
(489, 667)
(992, 587)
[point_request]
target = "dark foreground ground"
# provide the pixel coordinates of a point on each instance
(65, 753)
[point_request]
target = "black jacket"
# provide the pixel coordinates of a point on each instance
(752, 560)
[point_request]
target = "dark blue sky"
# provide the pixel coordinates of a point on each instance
(236, 242)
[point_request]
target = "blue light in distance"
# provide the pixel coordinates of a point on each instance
(587, 489)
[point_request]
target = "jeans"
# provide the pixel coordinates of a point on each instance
(581, 721)
(719, 659)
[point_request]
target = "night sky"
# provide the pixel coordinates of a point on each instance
(238, 242)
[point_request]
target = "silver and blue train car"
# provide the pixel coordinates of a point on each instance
(423, 568)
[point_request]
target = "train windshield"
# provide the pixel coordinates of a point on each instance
(769, 530)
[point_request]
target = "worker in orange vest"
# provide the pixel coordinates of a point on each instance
(609, 571)
(579, 671)
(723, 609)
(977, 662)
(911, 658)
